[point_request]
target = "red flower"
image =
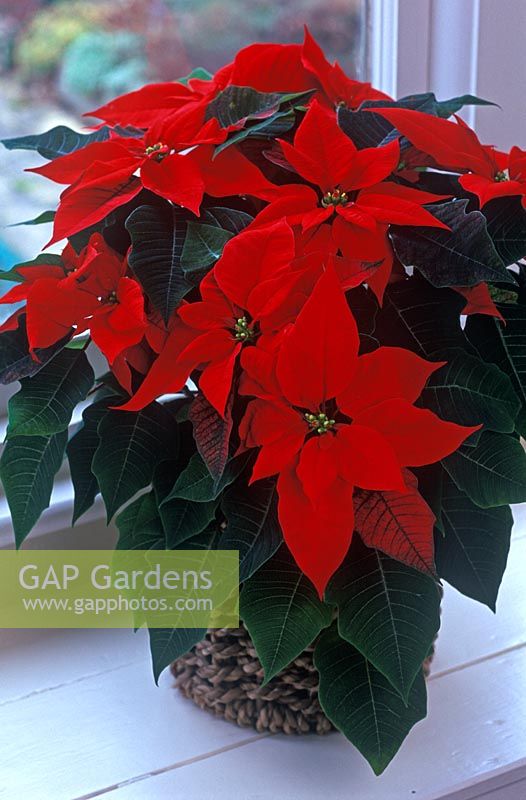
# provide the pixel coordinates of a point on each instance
(236, 305)
(351, 194)
(103, 176)
(455, 146)
(336, 85)
(504, 177)
(90, 291)
(339, 421)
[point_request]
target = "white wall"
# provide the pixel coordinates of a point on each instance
(455, 47)
(501, 74)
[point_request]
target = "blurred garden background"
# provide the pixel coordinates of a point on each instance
(59, 58)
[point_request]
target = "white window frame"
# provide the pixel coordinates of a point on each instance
(425, 45)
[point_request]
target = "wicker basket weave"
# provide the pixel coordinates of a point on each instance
(223, 675)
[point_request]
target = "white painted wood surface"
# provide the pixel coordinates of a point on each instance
(80, 717)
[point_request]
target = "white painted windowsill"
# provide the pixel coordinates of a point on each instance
(81, 718)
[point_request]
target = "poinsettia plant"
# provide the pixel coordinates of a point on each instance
(312, 304)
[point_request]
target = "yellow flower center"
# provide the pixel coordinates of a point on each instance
(157, 151)
(334, 198)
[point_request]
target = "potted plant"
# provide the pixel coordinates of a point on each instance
(312, 305)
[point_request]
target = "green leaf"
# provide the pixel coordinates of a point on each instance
(493, 473)
(27, 470)
(46, 259)
(199, 73)
(386, 610)
(140, 526)
(130, 447)
(203, 245)
(361, 702)
(463, 256)
(427, 103)
(45, 216)
(168, 644)
(506, 219)
(206, 239)
(16, 362)
(183, 519)
(195, 482)
(230, 219)
(238, 103)
(57, 142)
(276, 125)
(45, 402)
(158, 235)
(81, 451)
(252, 524)
(364, 128)
(282, 611)
(423, 319)
(472, 553)
(503, 344)
(469, 391)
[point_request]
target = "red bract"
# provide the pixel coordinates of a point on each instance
(102, 177)
(453, 145)
(340, 421)
(505, 176)
(264, 67)
(353, 194)
(337, 87)
(235, 305)
(90, 291)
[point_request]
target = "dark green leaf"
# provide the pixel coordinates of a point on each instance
(388, 611)
(230, 219)
(427, 103)
(16, 362)
(469, 391)
(183, 519)
(130, 447)
(45, 216)
(472, 553)
(364, 128)
(168, 644)
(424, 319)
(57, 142)
(195, 482)
(27, 470)
(282, 612)
(361, 702)
(81, 450)
(252, 524)
(493, 473)
(140, 526)
(45, 402)
(463, 256)
(43, 259)
(506, 218)
(158, 234)
(503, 344)
(203, 245)
(238, 103)
(276, 125)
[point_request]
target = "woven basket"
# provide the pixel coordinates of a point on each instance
(223, 675)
